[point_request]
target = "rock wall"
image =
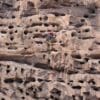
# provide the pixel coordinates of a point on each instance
(49, 49)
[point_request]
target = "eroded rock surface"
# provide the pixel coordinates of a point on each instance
(49, 50)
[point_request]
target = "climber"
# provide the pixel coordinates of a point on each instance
(50, 36)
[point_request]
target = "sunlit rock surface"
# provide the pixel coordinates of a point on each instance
(49, 49)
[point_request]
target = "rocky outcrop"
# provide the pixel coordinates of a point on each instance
(49, 50)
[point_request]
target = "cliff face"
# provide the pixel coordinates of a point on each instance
(49, 50)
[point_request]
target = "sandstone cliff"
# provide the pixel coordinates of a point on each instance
(49, 49)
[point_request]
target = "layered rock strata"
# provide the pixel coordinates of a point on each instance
(49, 50)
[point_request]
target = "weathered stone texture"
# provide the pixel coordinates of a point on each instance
(49, 49)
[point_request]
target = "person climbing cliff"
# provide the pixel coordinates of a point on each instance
(50, 36)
